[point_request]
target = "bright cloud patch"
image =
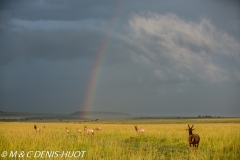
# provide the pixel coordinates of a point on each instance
(178, 49)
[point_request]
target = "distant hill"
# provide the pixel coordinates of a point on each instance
(77, 113)
(101, 115)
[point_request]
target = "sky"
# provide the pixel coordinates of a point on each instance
(145, 58)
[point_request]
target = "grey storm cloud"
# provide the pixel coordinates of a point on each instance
(160, 57)
(51, 39)
(51, 44)
(59, 10)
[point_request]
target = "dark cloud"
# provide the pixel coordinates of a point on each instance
(160, 57)
(49, 45)
(61, 10)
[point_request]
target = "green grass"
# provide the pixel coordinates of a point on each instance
(163, 139)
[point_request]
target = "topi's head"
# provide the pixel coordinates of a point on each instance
(190, 129)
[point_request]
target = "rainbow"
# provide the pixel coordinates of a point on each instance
(91, 89)
(102, 52)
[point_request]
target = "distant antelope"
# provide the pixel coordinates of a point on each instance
(43, 126)
(36, 128)
(78, 130)
(67, 130)
(193, 139)
(98, 128)
(139, 131)
(89, 131)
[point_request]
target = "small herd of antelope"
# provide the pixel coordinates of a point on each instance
(193, 139)
(89, 131)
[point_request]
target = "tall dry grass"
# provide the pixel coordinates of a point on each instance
(120, 141)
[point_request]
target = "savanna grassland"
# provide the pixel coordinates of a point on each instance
(163, 139)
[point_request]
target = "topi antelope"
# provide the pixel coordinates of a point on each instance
(193, 139)
(36, 128)
(139, 131)
(98, 128)
(67, 130)
(89, 131)
(78, 130)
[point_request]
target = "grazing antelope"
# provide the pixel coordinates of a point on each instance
(98, 128)
(193, 139)
(36, 128)
(139, 131)
(67, 130)
(78, 130)
(89, 131)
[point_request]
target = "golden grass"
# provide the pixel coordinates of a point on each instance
(120, 141)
